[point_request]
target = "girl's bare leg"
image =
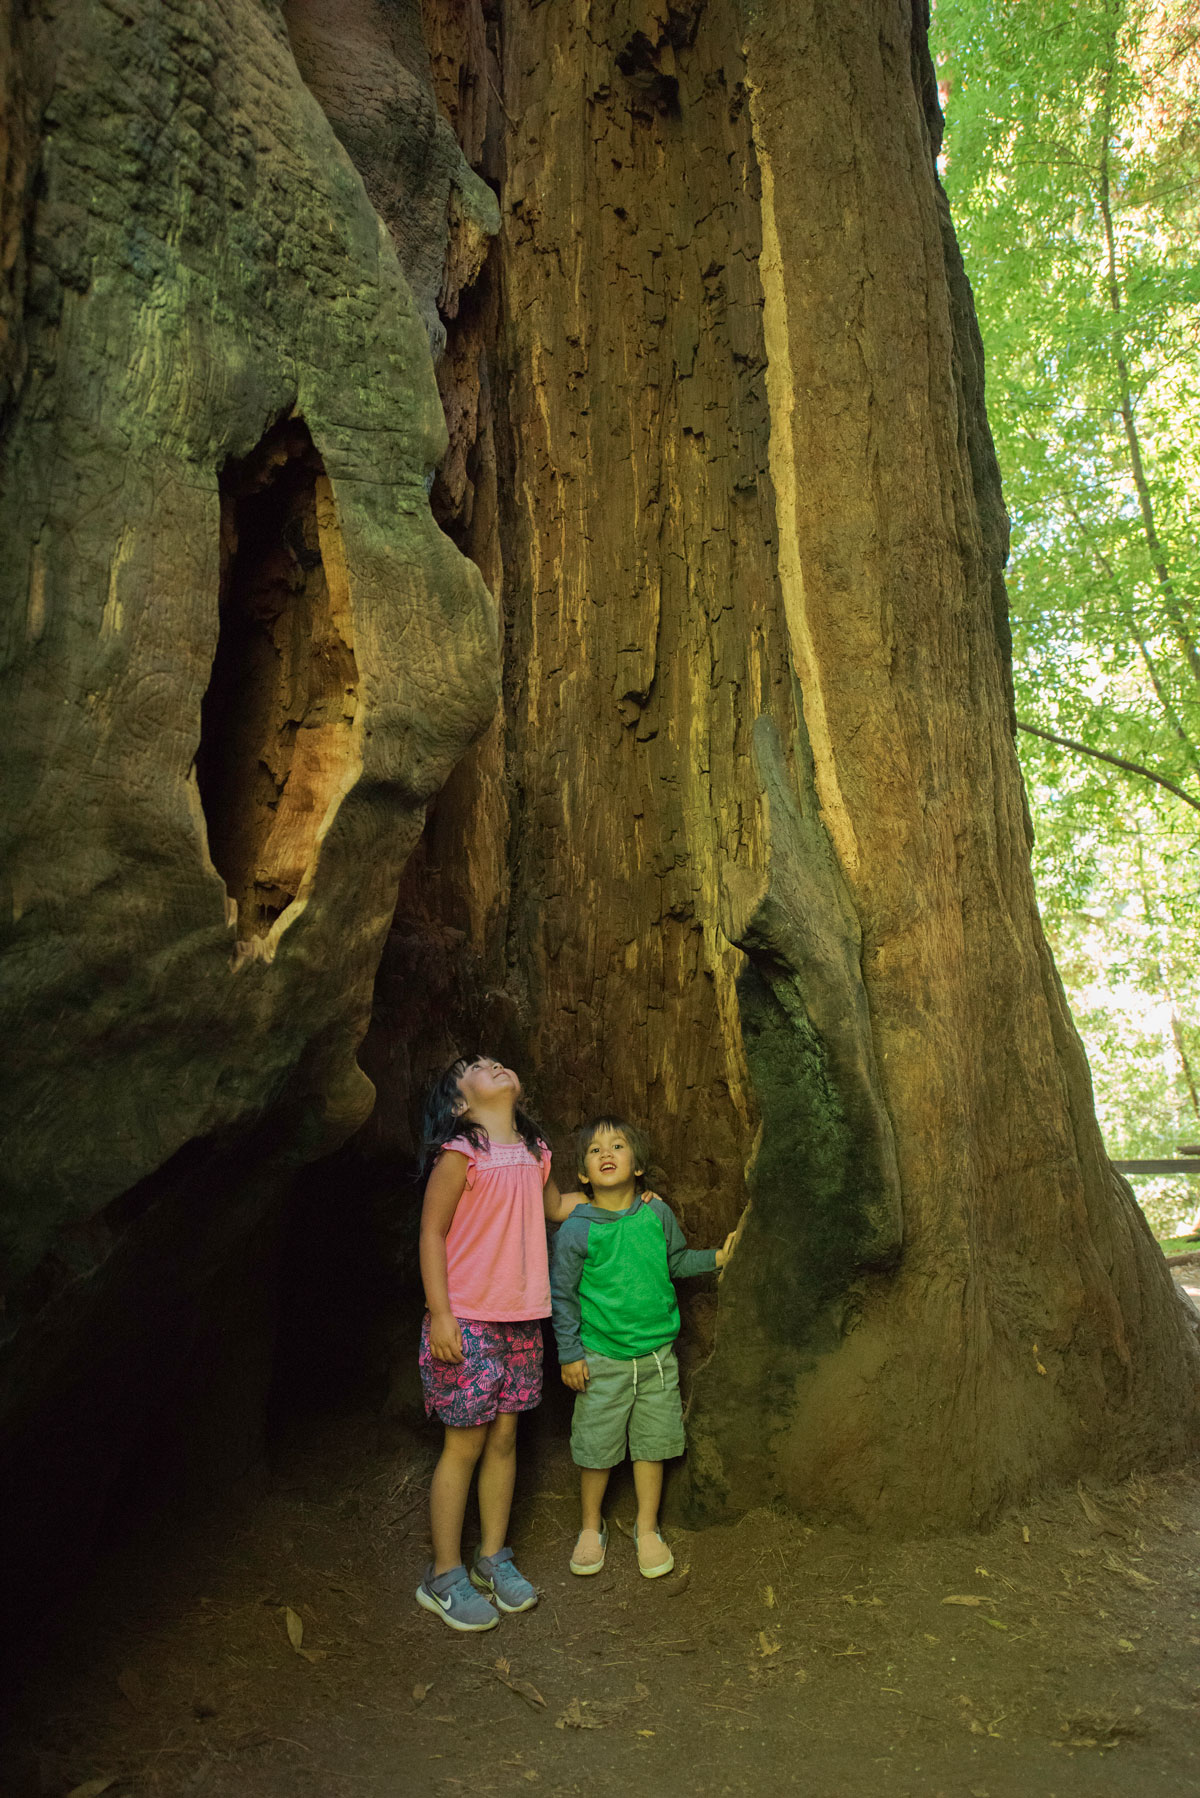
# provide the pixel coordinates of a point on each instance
(497, 1471)
(448, 1490)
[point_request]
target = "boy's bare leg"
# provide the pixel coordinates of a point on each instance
(588, 1553)
(448, 1490)
(647, 1483)
(497, 1471)
(593, 1484)
(654, 1557)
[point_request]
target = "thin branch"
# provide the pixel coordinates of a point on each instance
(1110, 574)
(1158, 561)
(1116, 761)
(1154, 926)
(1189, 1072)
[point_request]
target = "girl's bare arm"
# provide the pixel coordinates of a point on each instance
(559, 1205)
(443, 1190)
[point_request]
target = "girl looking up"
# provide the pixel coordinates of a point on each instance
(487, 1283)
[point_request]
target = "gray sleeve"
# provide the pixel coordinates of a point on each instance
(682, 1262)
(570, 1253)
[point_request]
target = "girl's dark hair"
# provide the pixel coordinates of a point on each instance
(637, 1139)
(444, 1118)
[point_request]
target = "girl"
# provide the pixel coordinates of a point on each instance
(487, 1283)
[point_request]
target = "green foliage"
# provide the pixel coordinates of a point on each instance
(1072, 163)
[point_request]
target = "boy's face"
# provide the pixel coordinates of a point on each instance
(608, 1161)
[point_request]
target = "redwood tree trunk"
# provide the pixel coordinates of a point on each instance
(767, 845)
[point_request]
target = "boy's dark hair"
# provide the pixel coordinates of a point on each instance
(637, 1139)
(444, 1119)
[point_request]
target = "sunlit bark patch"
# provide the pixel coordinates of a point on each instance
(277, 721)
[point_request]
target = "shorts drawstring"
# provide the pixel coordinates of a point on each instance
(662, 1378)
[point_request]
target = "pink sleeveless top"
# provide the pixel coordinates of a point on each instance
(497, 1269)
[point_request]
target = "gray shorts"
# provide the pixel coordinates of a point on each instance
(636, 1401)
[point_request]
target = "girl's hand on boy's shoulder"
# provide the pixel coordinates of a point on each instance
(646, 1197)
(726, 1249)
(575, 1375)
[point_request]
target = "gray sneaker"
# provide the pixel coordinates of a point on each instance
(452, 1597)
(497, 1574)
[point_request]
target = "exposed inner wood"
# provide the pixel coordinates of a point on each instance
(277, 722)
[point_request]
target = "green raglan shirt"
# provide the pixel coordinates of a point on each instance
(611, 1280)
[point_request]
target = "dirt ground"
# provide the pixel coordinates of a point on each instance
(279, 1653)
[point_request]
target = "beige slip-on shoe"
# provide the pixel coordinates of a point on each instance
(654, 1557)
(589, 1551)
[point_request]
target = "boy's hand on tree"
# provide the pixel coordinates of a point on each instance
(445, 1337)
(575, 1375)
(726, 1249)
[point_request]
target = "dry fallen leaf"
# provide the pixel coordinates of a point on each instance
(521, 1687)
(769, 1597)
(645, 1732)
(295, 1626)
(421, 1692)
(964, 1598)
(573, 1718)
(995, 1623)
(313, 1654)
(767, 1644)
(92, 1788)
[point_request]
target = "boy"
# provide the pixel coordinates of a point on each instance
(616, 1319)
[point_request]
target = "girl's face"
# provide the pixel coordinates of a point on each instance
(608, 1161)
(486, 1082)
